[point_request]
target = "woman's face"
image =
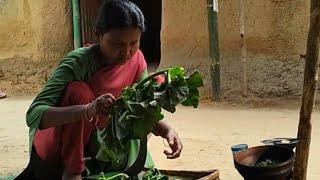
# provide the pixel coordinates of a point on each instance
(119, 45)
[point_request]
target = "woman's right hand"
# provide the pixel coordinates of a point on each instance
(100, 106)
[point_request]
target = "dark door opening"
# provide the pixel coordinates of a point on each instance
(150, 43)
(88, 12)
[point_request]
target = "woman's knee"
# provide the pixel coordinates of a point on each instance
(77, 92)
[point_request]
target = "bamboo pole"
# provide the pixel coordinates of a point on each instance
(243, 45)
(309, 93)
(214, 48)
(76, 23)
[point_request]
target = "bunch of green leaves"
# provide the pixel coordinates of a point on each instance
(151, 174)
(267, 163)
(154, 174)
(109, 176)
(138, 109)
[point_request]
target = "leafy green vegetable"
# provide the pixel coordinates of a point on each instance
(138, 109)
(194, 82)
(109, 176)
(154, 174)
(151, 174)
(266, 163)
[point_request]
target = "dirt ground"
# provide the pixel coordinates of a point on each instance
(207, 134)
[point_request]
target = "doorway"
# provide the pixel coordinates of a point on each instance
(150, 43)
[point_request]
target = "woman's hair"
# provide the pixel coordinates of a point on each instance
(118, 14)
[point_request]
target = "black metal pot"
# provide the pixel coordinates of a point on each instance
(245, 163)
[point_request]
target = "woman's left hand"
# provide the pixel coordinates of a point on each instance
(174, 143)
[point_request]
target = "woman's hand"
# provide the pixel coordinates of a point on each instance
(100, 106)
(174, 143)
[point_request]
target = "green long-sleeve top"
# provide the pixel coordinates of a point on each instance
(78, 65)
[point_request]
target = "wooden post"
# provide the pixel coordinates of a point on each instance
(214, 48)
(243, 50)
(309, 93)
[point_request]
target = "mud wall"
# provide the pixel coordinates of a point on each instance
(35, 34)
(276, 32)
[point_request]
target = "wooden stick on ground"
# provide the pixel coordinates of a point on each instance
(309, 93)
(243, 50)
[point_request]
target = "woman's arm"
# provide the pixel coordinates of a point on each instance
(56, 116)
(43, 111)
(165, 131)
(162, 128)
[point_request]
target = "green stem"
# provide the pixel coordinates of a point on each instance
(151, 77)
